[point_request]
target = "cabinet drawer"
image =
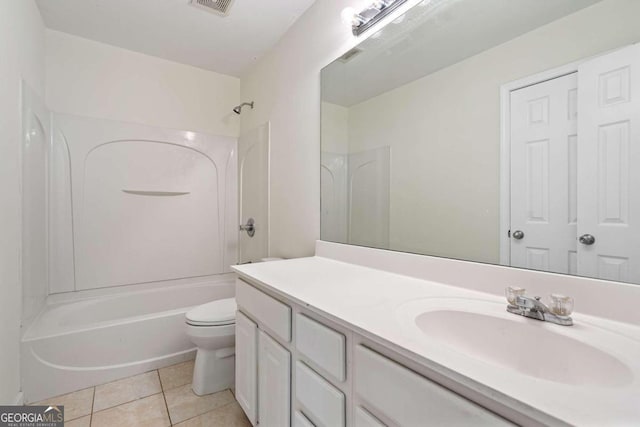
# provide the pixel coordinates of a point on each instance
(364, 419)
(299, 420)
(270, 312)
(324, 404)
(409, 399)
(322, 345)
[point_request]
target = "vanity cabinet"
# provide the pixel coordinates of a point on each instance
(294, 367)
(263, 365)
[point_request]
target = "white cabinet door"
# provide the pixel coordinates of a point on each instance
(247, 366)
(544, 176)
(608, 196)
(274, 383)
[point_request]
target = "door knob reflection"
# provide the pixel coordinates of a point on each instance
(249, 227)
(587, 239)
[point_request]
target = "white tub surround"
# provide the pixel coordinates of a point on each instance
(86, 338)
(141, 226)
(417, 309)
(173, 189)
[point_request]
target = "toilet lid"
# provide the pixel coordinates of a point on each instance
(219, 312)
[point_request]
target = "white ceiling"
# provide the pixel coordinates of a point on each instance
(431, 36)
(173, 30)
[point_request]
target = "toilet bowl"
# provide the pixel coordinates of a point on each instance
(211, 327)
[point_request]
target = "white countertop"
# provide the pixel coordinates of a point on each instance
(368, 300)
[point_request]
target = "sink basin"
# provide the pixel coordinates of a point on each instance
(483, 330)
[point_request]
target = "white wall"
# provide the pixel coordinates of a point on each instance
(445, 138)
(93, 79)
(285, 85)
(334, 128)
(22, 53)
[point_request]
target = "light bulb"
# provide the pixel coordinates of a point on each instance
(380, 4)
(347, 15)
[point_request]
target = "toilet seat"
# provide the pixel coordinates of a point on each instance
(216, 313)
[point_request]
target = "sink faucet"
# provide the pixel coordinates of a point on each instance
(536, 309)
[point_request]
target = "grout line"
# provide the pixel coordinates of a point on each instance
(126, 403)
(160, 379)
(211, 410)
(93, 402)
(164, 397)
(180, 385)
(132, 400)
(219, 408)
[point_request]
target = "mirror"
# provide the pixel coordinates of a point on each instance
(497, 131)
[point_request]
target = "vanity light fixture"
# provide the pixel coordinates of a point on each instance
(370, 16)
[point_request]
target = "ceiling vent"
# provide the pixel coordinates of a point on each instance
(219, 7)
(349, 55)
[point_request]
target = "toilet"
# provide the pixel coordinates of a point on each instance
(211, 327)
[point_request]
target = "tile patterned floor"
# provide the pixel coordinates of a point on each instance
(159, 398)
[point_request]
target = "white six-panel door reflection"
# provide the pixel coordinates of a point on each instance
(609, 190)
(575, 206)
(543, 176)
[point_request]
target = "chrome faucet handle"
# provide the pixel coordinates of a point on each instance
(511, 292)
(561, 305)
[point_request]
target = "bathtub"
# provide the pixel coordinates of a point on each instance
(82, 341)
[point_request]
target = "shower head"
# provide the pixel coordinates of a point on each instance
(238, 108)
